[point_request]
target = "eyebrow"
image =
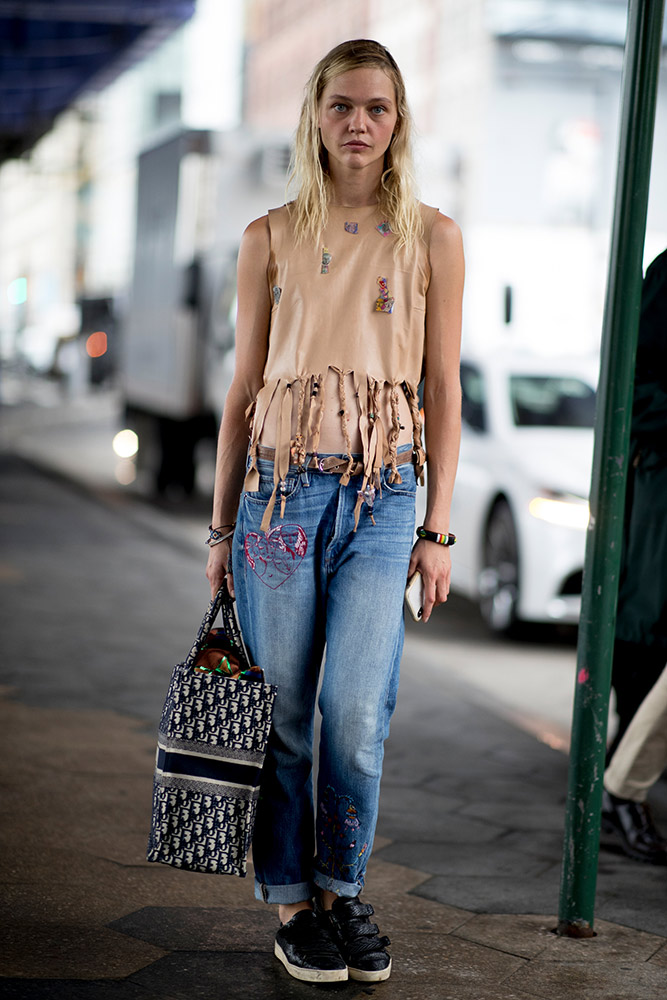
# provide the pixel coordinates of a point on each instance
(371, 100)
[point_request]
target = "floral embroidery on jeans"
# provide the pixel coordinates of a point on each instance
(338, 823)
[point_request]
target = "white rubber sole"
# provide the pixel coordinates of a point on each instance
(370, 977)
(310, 975)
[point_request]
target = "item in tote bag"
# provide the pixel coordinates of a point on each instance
(211, 745)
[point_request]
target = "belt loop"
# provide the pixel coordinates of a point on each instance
(304, 472)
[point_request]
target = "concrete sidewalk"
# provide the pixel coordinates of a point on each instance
(94, 605)
(87, 918)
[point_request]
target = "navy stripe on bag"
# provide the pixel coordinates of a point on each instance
(206, 767)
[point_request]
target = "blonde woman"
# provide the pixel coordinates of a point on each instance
(347, 297)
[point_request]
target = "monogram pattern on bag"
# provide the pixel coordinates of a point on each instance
(200, 832)
(200, 823)
(217, 711)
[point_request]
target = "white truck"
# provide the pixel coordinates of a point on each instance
(196, 192)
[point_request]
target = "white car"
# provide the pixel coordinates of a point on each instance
(520, 507)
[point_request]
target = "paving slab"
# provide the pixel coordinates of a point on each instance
(201, 928)
(533, 816)
(68, 950)
(533, 936)
(493, 894)
(452, 960)
(78, 989)
(591, 981)
(412, 814)
(456, 858)
(660, 957)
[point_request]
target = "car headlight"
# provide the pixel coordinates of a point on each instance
(565, 511)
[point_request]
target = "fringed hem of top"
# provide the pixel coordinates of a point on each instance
(379, 447)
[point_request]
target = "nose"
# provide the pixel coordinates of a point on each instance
(358, 121)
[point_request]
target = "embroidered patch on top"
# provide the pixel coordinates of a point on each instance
(326, 260)
(384, 228)
(352, 227)
(276, 556)
(384, 303)
(277, 292)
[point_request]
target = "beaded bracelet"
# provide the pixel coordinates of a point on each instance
(436, 536)
(215, 535)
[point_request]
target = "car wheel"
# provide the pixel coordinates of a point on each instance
(499, 579)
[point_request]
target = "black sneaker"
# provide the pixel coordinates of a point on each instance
(305, 948)
(358, 940)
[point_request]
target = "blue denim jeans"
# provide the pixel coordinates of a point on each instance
(313, 583)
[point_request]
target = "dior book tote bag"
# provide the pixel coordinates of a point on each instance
(211, 746)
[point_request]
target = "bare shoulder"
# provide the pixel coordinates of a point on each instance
(256, 236)
(255, 249)
(445, 248)
(445, 234)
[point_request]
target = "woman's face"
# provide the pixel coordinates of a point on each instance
(357, 118)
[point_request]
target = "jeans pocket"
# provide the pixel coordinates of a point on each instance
(287, 490)
(407, 487)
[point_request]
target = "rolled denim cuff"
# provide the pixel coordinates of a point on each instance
(347, 889)
(295, 893)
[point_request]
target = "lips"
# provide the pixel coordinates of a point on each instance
(356, 145)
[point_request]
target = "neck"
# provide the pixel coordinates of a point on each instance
(355, 188)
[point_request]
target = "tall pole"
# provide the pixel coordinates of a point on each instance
(610, 459)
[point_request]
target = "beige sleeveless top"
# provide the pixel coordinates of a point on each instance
(352, 306)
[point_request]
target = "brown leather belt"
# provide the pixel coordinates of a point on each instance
(331, 463)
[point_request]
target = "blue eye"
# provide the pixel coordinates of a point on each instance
(340, 107)
(378, 110)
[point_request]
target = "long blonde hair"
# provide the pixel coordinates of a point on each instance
(309, 166)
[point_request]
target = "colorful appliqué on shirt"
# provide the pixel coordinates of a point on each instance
(384, 303)
(277, 292)
(384, 228)
(352, 227)
(326, 260)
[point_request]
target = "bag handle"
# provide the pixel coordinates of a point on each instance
(225, 602)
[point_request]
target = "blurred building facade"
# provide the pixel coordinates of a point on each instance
(68, 207)
(516, 108)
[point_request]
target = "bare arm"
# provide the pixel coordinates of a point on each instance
(252, 329)
(442, 404)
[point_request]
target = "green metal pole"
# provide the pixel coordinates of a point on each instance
(610, 459)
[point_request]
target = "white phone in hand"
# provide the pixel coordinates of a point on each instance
(414, 596)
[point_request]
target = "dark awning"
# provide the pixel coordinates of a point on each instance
(52, 50)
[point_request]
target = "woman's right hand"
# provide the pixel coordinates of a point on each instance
(216, 567)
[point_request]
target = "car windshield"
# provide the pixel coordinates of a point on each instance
(551, 401)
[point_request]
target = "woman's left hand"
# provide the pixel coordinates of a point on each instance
(435, 565)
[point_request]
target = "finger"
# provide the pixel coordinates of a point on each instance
(230, 584)
(429, 600)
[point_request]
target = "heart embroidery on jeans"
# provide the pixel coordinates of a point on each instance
(274, 557)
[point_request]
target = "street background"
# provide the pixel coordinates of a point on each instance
(121, 210)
